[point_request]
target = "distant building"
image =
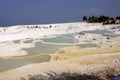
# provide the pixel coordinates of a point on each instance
(109, 22)
(117, 21)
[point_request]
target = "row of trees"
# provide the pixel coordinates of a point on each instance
(99, 19)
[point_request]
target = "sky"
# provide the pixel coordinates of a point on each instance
(54, 11)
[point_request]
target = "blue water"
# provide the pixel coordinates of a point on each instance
(7, 64)
(61, 39)
(104, 31)
(41, 48)
(86, 45)
(98, 31)
(49, 48)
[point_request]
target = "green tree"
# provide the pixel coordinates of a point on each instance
(84, 18)
(89, 19)
(111, 18)
(118, 17)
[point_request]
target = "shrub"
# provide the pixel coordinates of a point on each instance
(62, 76)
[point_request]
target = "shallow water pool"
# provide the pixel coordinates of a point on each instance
(41, 48)
(37, 53)
(7, 64)
(98, 31)
(61, 39)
